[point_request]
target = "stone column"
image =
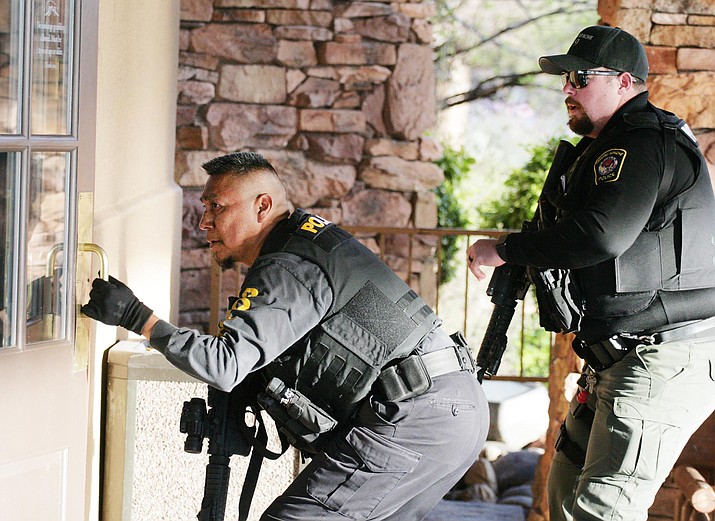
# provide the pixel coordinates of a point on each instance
(679, 37)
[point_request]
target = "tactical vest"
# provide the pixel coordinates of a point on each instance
(374, 318)
(673, 256)
(679, 253)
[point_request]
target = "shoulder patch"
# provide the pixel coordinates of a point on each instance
(607, 167)
(312, 226)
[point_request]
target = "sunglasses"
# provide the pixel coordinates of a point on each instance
(579, 79)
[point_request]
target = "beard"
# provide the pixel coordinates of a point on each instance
(226, 264)
(581, 125)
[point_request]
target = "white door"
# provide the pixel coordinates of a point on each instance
(46, 139)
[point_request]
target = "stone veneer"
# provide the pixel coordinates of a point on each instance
(679, 37)
(336, 94)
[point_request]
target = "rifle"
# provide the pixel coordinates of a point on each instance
(224, 424)
(510, 282)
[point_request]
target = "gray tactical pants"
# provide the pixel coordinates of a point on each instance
(395, 461)
(646, 408)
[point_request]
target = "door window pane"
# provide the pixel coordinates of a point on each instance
(11, 24)
(52, 36)
(8, 165)
(46, 237)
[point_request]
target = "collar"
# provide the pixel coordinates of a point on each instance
(636, 104)
(278, 235)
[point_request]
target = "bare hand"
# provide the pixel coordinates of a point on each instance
(483, 253)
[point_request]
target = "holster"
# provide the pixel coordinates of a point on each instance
(602, 355)
(299, 420)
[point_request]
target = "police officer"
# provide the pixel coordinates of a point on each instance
(633, 235)
(401, 414)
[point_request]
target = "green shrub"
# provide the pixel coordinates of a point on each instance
(456, 164)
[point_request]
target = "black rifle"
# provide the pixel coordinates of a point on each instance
(224, 424)
(510, 282)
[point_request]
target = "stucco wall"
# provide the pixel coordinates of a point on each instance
(148, 476)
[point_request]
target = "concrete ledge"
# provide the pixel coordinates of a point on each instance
(135, 360)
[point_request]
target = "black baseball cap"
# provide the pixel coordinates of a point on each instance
(600, 46)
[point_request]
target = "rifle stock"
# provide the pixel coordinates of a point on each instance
(224, 426)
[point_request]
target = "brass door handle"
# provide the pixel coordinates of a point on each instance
(99, 251)
(82, 246)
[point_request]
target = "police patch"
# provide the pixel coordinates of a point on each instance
(608, 166)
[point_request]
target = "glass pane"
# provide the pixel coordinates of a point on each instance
(8, 165)
(52, 49)
(46, 227)
(11, 25)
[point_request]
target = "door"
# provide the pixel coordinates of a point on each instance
(46, 153)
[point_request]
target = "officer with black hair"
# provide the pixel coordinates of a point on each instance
(400, 413)
(628, 226)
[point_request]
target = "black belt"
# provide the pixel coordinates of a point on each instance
(412, 375)
(602, 355)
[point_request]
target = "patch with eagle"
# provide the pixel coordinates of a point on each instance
(607, 167)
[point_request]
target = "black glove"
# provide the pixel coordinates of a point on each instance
(114, 304)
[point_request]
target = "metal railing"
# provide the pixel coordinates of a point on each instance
(415, 254)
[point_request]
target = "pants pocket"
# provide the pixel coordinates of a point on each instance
(354, 478)
(642, 438)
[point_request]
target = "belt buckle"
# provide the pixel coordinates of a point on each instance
(464, 355)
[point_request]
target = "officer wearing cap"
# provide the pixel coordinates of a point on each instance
(391, 411)
(626, 233)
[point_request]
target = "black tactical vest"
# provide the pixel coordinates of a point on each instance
(668, 274)
(375, 318)
(678, 250)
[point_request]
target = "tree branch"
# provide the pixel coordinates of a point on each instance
(513, 27)
(488, 88)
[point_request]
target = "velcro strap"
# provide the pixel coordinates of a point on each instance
(572, 451)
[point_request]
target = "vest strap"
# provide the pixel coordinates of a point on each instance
(572, 451)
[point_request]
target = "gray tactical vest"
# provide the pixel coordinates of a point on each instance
(375, 318)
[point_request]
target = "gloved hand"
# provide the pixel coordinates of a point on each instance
(113, 303)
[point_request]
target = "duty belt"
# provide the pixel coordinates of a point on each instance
(412, 376)
(602, 355)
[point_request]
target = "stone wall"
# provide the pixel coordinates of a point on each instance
(679, 37)
(336, 94)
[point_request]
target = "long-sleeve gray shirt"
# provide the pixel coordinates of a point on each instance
(283, 297)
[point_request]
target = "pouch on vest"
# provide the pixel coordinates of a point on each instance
(296, 417)
(560, 304)
(406, 379)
